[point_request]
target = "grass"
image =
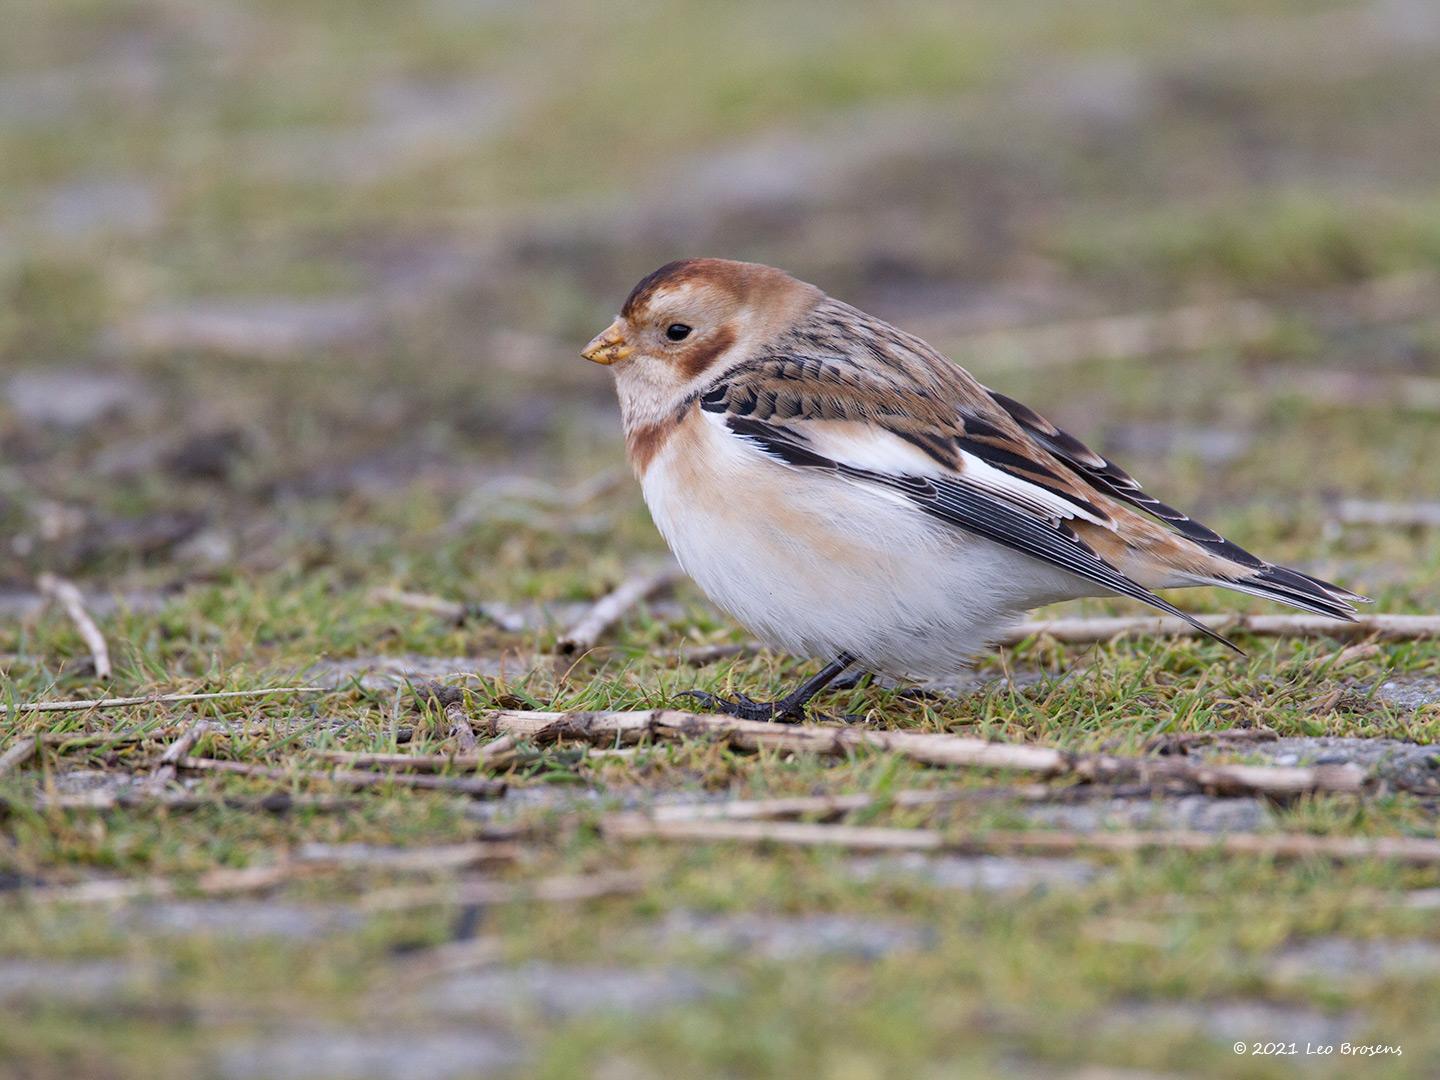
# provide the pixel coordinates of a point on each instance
(1005, 978)
(1031, 190)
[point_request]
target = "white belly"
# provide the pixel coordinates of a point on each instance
(818, 565)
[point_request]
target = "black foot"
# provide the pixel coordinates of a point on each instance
(744, 708)
(851, 680)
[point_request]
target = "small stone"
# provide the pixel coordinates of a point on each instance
(1410, 694)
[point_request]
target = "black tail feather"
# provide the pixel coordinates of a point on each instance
(1287, 586)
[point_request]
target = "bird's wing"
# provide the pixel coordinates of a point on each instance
(1242, 570)
(848, 393)
(889, 417)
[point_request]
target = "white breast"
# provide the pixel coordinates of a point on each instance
(816, 565)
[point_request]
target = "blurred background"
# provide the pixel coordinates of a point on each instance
(291, 299)
(298, 283)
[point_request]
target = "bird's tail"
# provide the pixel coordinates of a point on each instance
(1161, 559)
(1287, 586)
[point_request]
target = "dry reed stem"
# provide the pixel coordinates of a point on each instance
(158, 699)
(952, 751)
(64, 593)
(611, 608)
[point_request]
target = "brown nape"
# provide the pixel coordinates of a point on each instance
(694, 361)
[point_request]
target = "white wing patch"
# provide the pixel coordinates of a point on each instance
(873, 449)
(865, 447)
(1022, 493)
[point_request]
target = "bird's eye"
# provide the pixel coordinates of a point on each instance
(677, 331)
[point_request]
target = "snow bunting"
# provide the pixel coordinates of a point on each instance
(848, 493)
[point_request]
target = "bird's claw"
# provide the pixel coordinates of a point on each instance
(743, 708)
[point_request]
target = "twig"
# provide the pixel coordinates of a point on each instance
(358, 780)
(498, 753)
(554, 890)
(1381, 627)
(158, 699)
(1417, 851)
(1359, 650)
(21, 751)
(611, 608)
(449, 610)
(180, 748)
(952, 751)
(609, 728)
(460, 729)
(65, 594)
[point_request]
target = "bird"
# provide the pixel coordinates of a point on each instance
(849, 494)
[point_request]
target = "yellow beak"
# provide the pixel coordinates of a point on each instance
(608, 346)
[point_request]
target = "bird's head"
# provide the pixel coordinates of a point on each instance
(692, 319)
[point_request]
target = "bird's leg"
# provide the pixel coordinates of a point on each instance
(788, 710)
